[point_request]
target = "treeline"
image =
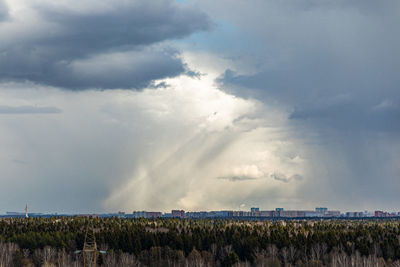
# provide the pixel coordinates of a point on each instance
(174, 242)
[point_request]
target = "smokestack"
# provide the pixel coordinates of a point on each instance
(26, 210)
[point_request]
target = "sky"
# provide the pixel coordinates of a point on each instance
(123, 105)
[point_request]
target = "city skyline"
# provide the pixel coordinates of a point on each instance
(199, 104)
(241, 212)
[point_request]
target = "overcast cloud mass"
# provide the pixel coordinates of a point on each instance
(106, 45)
(3, 11)
(199, 104)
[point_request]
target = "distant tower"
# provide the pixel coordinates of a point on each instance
(26, 210)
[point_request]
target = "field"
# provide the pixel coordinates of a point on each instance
(180, 242)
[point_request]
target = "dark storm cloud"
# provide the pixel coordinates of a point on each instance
(131, 69)
(332, 73)
(349, 116)
(28, 110)
(338, 101)
(114, 47)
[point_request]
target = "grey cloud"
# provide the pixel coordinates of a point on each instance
(193, 74)
(350, 103)
(29, 110)
(237, 178)
(283, 178)
(119, 47)
(21, 162)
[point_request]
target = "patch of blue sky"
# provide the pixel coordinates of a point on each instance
(224, 37)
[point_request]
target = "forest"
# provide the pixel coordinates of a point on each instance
(188, 242)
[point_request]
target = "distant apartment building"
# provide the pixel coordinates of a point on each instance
(321, 210)
(241, 213)
(379, 213)
(255, 212)
(288, 213)
(382, 214)
(277, 212)
(139, 214)
(332, 213)
(266, 213)
(153, 214)
(178, 213)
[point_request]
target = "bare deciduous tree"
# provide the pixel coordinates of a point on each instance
(7, 251)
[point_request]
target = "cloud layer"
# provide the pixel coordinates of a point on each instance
(28, 110)
(291, 104)
(85, 44)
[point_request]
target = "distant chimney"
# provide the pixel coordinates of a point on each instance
(26, 210)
